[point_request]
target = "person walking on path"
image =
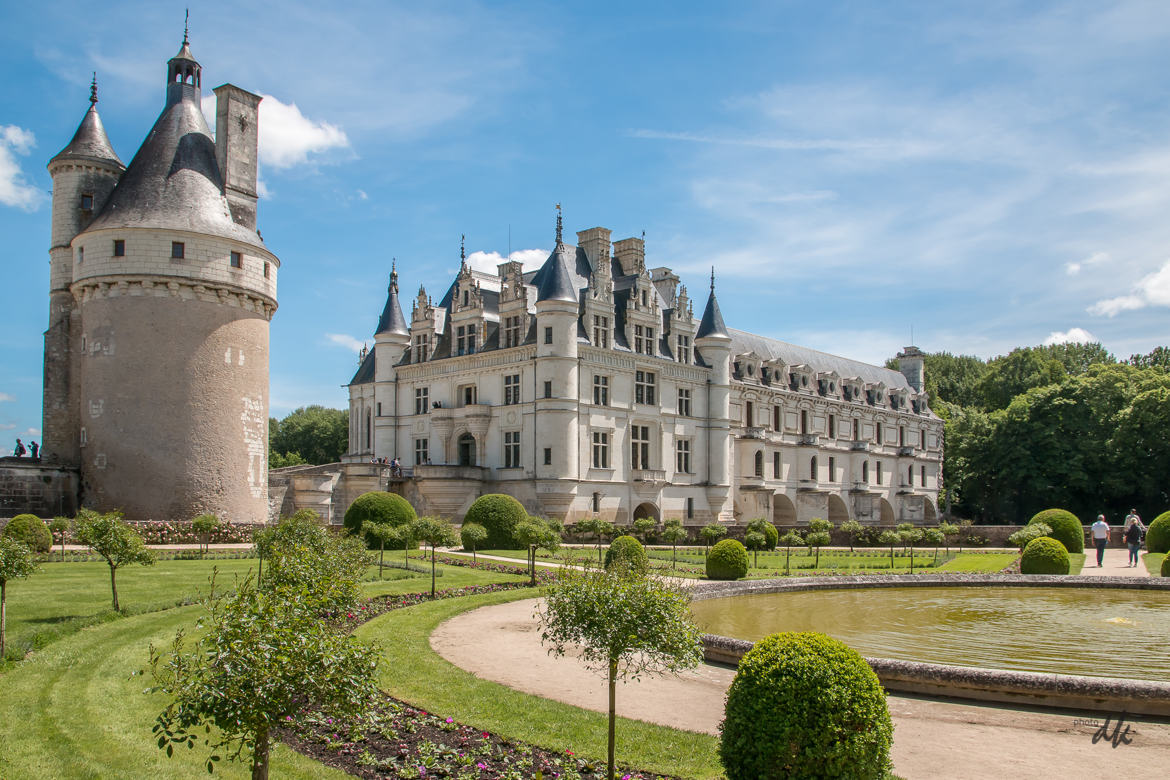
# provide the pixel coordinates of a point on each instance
(19, 450)
(1100, 538)
(1133, 535)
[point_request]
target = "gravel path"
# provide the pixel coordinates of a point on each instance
(932, 739)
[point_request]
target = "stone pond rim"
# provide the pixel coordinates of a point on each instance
(1098, 694)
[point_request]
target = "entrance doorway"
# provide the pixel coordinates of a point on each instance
(467, 450)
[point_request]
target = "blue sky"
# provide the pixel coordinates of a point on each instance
(988, 174)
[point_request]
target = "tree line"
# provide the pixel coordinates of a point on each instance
(1064, 425)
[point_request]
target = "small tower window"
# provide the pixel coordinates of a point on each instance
(177, 250)
(548, 456)
(548, 336)
(80, 254)
(86, 202)
(119, 248)
(237, 260)
(266, 271)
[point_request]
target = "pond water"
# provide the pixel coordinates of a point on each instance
(1097, 632)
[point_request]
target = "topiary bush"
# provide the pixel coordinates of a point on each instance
(1166, 566)
(1044, 555)
(1066, 528)
(805, 705)
(31, 530)
(728, 560)
(378, 507)
(1158, 536)
(771, 535)
(499, 514)
(627, 550)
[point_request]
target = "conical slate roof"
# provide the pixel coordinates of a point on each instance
(712, 322)
(392, 320)
(554, 280)
(90, 141)
(174, 182)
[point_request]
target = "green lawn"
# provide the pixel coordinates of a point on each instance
(416, 673)
(1076, 562)
(77, 710)
(1153, 563)
(864, 560)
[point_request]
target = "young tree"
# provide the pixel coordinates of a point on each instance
(437, 532)
(204, 525)
(592, 525)
(673, 533)
(711, 533)
(115, 541)
(644, 527)
(818, 536)
(789, 540)
(934, 537)
(964, 529)
(382, 533)
(755, 541)
(948, 530)
(908, 535)
(891, 538)
(60, 526)
(264, 659)
(626, 624)
(16, 561)
(321, 567)
(532, 533)
(472, 535)
(854, 529)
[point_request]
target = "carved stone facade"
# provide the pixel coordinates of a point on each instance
(587, 387)
(156, 354)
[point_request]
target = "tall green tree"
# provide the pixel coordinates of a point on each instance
(314, 433)
(625, 623)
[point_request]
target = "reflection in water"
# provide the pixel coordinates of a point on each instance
(1103, 633)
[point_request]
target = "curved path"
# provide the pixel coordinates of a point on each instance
(931, 738)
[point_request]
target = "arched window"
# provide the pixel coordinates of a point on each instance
(803, 421)
(879, 472)
(865, 472)
(760, 463)
(812, 468)
(369, 432)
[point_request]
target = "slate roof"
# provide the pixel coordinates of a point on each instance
(712, 322)
(772, 349)
(554, 281)
(365, 372)
(392, 320)
(90, 142)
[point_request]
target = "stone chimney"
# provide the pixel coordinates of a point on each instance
(912, 364)
(595, 243)
(237, 150)
(631, 255)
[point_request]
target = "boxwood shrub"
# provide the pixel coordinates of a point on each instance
(1066, 528)
(803, 705)
(31, 530)
(499, 514)
(771, 535)
(1044, 555)
(630, 551)
(1166, 566)
(728, 560)
(378, 507)
(1158, 535)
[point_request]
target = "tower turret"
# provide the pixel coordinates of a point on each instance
(912, 364)
(184, 75)
(714, 343)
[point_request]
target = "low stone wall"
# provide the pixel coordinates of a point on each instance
(42, 489)
(1101, 694)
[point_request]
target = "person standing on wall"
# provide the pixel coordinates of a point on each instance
(19, 450)
(1133, 535)
(1100, 538)
(34, 449)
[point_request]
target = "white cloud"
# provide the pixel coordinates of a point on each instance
(362, 195)
(487, 262)
(262, 189)
(1074, 268)
(1152, 290)
(345, 340)
(7, 426)
(32, 432)
(1070, 336)
(14, 189)
(287, 137)
(7, 397)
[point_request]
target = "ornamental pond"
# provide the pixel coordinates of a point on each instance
(1096, 632)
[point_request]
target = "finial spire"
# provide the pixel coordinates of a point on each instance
(93, 90)
(712, 280)
(186, 21)
(560, 225)
(394, 274)
(463, 249)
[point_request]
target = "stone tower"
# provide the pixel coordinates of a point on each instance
(156, 356)
(714, 343)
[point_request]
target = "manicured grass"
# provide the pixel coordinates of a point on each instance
(77, 710)
(1153, 563)
(415, 673)
(988, 563)
(61, 598)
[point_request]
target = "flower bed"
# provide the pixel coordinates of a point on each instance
(176, 532)
(397, 740)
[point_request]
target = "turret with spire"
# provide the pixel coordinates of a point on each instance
(713, 342)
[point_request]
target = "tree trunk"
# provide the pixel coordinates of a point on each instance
(473, 559)
(114, 585)
(381, 556)
(673, 557)
(62, 547)
(891, 557)
(260, 569)
(260, 756)
(787, 558)
(817, 562)
(3, 615)
(432, 571)
(911, 559)
(612, 714)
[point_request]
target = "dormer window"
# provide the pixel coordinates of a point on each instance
(465, 337)
(86, 201)
(465, 297)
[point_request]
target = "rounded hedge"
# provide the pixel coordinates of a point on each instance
(1166, 566)
(771, 535)
(1044, 555)
(31, 530)
(629, 551)
(1158, 535)
(378, 507)
(802, 705)
(499, 514)
(1066, 528)
(728, 560)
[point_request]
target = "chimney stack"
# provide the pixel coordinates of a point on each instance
(237, 150)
